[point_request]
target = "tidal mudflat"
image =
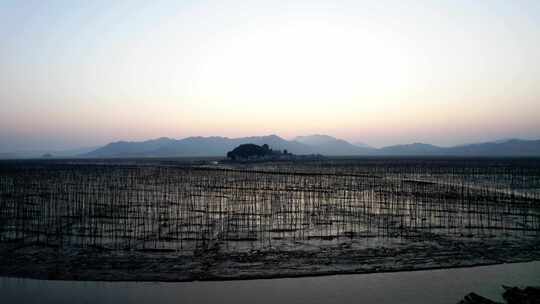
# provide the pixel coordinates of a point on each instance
(185, 221)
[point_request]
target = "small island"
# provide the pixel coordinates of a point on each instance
(253, 152)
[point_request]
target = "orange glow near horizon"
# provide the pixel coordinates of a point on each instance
(445, 73)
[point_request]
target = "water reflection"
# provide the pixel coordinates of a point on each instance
(434, 286)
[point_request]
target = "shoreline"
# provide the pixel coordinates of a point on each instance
(272, 277)
(257, 265)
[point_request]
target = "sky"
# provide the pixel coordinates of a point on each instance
(85, 73)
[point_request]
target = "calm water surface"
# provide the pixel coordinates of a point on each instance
(433, 286)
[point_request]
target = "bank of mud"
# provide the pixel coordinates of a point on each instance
(152, 222)
(283, 260)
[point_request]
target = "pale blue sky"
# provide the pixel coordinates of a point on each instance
(83, 73)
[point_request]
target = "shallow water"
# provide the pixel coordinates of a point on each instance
(431, 286)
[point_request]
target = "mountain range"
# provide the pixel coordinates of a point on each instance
(311, 144)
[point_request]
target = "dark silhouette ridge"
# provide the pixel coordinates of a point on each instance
(247, 151)
(308, 145)
(255, 152)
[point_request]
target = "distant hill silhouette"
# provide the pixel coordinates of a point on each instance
(511, 147)
(418, 149)
(312, 144)
(132, 149)
(328, 145)
(194, 146)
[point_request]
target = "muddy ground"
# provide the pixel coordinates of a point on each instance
(283, 260)
(143, 222)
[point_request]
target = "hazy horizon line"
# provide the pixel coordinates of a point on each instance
(288, 138)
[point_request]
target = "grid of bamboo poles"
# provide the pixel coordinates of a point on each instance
(194, 208)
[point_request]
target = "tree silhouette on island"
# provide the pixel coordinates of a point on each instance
(256, 152)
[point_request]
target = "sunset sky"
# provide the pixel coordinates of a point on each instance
(84, 73)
